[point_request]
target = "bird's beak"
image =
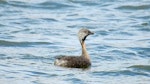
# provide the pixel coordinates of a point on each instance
(91, 33)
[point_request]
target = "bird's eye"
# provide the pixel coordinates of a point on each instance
(85, 31)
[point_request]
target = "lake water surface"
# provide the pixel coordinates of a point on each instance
(34, 32)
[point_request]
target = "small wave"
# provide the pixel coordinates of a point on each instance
(85, 2)
(142, 52)
(146, 29)
(50, 19)
(79, 19)
(3, 57)
(141, 67)
(42, 5)
(131, 7)
(142, 17)
(55, 5)
(145, 24)
(3, 1)
(118, 73)
(17, 4)
(121, 54)
(37, 73)
(33, 57)
(20, 44)
(75, 80)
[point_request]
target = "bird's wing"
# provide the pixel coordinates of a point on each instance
(63, 57)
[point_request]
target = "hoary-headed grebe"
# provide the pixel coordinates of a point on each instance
(82, 61)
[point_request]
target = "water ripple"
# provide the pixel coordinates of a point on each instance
(85, 2)
(79, 19)
(75, 80)
(142, 52)
(21, 44)
(131, 7)
(33, 57)
(141, 67)
(118, 73)
(38, 73)
(56, 5)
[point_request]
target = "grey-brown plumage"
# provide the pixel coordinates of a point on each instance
(82, 61)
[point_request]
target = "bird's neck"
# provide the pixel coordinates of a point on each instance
(84, 51)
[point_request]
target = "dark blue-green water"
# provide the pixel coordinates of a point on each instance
(33, 32)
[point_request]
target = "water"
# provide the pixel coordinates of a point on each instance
(33, 32)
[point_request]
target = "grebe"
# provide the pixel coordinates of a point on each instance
(82, 61)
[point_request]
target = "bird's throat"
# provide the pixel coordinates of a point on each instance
(84, 51)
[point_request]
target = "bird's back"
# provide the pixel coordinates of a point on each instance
(72, 61)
